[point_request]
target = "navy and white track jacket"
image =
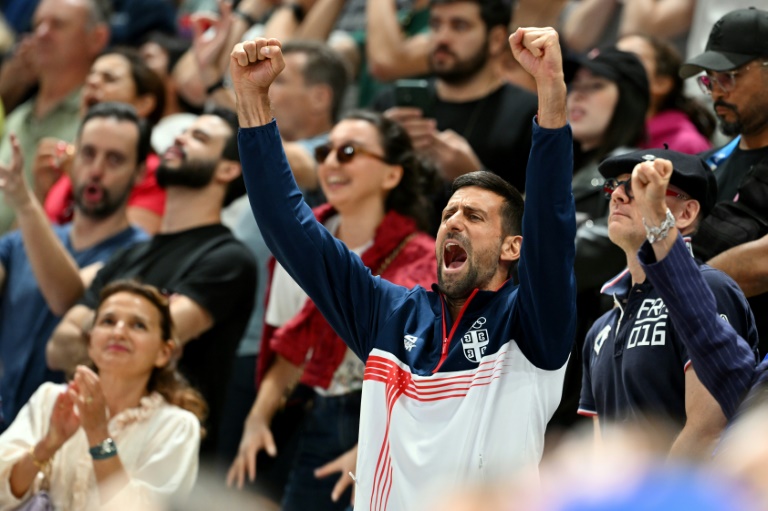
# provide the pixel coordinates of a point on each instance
(442, 399)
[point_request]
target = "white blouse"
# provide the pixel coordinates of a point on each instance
(157, 442)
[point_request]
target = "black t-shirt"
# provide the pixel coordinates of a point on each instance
(497, 127)
(222, 281)
(731, 173)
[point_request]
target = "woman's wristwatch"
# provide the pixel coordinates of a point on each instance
(103, 450)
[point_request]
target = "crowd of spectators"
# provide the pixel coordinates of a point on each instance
(119, 162)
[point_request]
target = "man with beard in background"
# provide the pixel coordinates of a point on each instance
(40, 264)
(735, 63)
(476, 121)
(209, 275)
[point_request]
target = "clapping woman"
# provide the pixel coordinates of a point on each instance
(124, 433)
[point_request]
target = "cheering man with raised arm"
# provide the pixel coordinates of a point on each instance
(460, 381)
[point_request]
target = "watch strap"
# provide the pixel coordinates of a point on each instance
(103, 450)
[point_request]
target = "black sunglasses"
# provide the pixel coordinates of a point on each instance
(612, 184)
(344, 153)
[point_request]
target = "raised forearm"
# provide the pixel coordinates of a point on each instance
(747, 264)
(254, 110)
(67, 347)
(54, 268)
(391, 54)
(586, 23)
(552, 112)
(663, 18)
(320, 20)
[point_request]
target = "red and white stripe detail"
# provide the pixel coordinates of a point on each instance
(400, 381)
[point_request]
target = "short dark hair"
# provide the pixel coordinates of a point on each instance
(145, 80)
(236, 187)
(122, 112)
(174, 46)
(324, 66)
(411, 196)
(492, 12)
(513, 205)
(668, 61)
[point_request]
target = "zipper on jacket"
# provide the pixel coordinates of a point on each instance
(447, 338)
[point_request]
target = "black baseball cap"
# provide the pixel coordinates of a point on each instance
(618, 66)
(737, 38)
(690, 173)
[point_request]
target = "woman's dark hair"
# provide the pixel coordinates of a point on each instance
(166, 380)
(668, 62)
(145, 80)
(627, 125)
(174, 46)
(411, 195)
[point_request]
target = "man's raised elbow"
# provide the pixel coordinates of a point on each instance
(383, 70)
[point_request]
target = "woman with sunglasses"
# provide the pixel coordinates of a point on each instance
(124, 432)
(377, 204)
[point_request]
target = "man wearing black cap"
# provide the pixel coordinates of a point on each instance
(635, 365)
(736, 65)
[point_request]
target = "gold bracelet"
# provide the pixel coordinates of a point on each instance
(42, 466)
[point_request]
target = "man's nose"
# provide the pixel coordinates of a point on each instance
(42, 29)
(620, 194)
(453, 222)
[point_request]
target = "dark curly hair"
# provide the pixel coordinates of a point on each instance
(411, 196)
(166, 380)
(668, 62)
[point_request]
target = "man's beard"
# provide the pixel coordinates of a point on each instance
(190, 174)
(462, 70)
(754, 120)
(106, 207)
(472, 279)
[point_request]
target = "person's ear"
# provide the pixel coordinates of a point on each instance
(498, 40)
(227, 171)
(144, 105)
(165, 353)
(392, 177)
(661, 86)
(686, 215)
(98, 38)
(510, 248)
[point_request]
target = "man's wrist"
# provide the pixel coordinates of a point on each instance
(552, 103)
(254, 109)
(657, 231)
